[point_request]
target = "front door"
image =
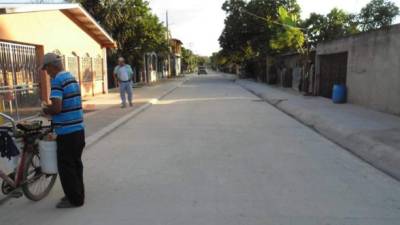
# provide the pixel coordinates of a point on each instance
(333, 71)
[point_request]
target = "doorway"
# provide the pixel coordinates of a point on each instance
(333, 70)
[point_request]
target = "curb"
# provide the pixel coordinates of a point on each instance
(94, 138)
(378, 155)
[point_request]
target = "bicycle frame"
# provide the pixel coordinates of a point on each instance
(19, 173)
(30, 134)
(20, 168)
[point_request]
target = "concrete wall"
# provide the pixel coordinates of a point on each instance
(50, 31)
(373, 72)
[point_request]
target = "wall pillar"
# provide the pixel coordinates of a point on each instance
(105, 71)
(44, 78)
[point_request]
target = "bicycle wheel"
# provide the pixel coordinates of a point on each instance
(37, 184)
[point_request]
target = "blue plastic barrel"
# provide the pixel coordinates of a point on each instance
(339, 93)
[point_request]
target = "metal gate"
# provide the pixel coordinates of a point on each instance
(333, 70)
(19, 80)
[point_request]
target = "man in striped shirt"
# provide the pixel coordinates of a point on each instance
(67, 114)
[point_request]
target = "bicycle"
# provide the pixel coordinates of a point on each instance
(27, 176)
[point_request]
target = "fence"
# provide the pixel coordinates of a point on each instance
(19, 80)
(89, 73)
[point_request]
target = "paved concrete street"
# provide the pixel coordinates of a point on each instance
(373, 136)
(211, 153)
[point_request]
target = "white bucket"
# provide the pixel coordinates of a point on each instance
(48, 156)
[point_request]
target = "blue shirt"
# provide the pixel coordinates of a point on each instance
(124, 73)
(65, 87)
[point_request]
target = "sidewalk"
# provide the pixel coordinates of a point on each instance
(371, 135)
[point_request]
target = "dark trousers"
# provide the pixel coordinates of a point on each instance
(70, 167)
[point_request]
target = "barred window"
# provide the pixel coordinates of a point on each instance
(73, 67)
(87, 69)
(98, 68)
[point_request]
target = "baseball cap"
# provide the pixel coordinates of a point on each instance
(50, 58)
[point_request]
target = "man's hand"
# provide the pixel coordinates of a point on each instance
(115, 80)
(45, 107)
(54, 108)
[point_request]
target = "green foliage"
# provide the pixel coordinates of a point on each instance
(189, 60)
(289, 35)
(259, 33)
(377, 14)
(256, 28)
(247, 35)
(314, 27)
(334, 25)
(133, 26)
(232, 38)
(218, 60)
(202, 60)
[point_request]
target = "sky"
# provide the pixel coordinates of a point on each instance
(199, 23)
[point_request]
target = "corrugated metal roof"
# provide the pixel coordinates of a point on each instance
(75, 12)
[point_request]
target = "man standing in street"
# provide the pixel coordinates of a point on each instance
(67, 114)
(123, 74)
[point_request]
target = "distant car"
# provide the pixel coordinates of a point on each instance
(202, 70)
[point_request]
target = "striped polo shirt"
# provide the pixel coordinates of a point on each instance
(65, 87)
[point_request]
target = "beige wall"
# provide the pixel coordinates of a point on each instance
(53, 31)
(373, 70)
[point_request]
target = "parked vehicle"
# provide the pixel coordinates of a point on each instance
(202, 70)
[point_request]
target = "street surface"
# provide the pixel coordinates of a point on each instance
(211, 153)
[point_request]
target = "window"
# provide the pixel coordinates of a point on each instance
(98, 68)
(73, 66)
(87, 69)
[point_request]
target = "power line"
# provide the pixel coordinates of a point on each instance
(270, 21)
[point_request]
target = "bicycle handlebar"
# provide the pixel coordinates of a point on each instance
(9, 118)
(14, 124)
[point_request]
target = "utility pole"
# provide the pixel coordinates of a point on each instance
(167, 23)
(169, 45)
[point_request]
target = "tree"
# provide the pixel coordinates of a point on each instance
(261, 33)
(189, 60)
(202, 60)
(332, 26)
(377, 14)
(233, 36)
(289, 35)
(314, 27)
(338, 24)
(94, 7)
(132, 24)
(219, 61)
(247, 35)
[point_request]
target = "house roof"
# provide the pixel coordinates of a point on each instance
(177, 40)
(74, 12)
